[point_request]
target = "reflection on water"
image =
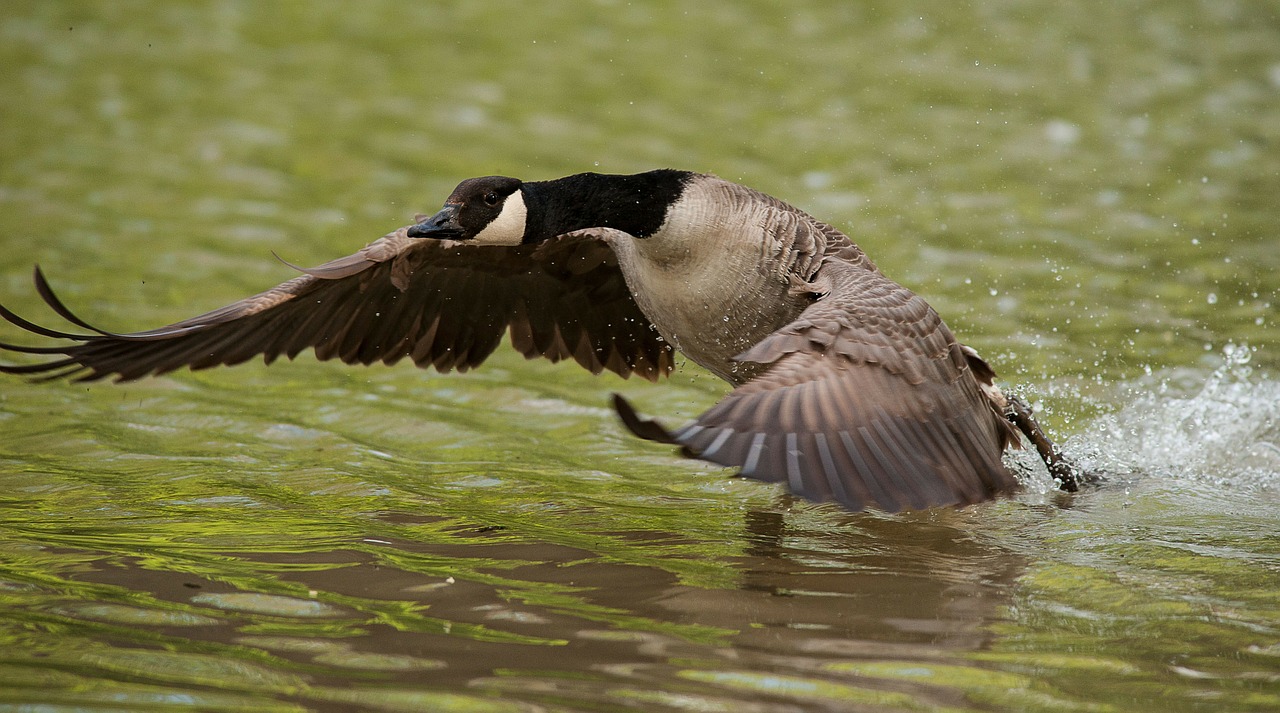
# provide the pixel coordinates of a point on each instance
(1086, 191)
(1155, 581)
(478, 612)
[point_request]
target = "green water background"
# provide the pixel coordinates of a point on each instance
(1087, 192)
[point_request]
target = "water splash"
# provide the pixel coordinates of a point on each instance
(1221, 430)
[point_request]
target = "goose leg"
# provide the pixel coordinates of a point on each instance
(1069, 476)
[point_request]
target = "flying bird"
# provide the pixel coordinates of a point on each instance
(847, 386)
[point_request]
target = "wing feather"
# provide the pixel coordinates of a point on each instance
(442, 303)
(866, 399)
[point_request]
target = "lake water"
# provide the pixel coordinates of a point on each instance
(1086, 191)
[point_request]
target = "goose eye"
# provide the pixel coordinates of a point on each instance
(492, 198)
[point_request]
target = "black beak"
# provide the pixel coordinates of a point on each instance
(441, 226)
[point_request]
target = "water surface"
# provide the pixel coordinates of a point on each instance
(1086, 192)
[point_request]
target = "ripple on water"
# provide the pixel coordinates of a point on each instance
(270, 604)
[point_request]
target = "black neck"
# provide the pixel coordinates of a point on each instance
(635, 204)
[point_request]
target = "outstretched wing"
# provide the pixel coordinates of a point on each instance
(441, 303)
(868, 400)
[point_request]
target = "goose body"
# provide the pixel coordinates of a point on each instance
(716, 278)
(848, 386)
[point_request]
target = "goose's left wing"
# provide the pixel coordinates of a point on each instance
(867, 400)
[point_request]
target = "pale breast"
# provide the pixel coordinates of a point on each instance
(715, 279)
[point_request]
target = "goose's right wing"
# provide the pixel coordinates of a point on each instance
(441, 303)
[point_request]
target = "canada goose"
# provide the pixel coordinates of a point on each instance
(848, 386)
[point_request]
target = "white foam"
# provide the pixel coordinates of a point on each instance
(1223, 431)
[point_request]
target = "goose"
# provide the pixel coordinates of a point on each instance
(847, 386)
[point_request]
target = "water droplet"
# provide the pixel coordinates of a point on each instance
(1212, 298)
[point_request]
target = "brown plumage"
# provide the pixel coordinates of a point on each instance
(397, 297)
(849, 386)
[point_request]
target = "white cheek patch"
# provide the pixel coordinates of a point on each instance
(508, 227)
